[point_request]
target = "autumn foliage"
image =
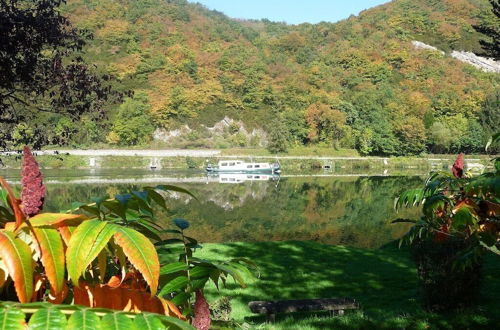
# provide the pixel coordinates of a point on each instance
(40, 251)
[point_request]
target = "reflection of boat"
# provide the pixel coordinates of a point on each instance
(240, 177)
(238, 166)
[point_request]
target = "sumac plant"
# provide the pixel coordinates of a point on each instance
(185, 278)
(85, 258)
(460, 221)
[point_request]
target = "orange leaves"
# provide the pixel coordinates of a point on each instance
(123, 298)
(16, 255)
(141, 253)
(13, 202)
(52, 256)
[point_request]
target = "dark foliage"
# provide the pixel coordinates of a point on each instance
(443, 286)
(40, 70)
(491, 45)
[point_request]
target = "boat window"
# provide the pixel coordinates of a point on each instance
(223, 179)
(249, 166)
(223, 164)
(257, 166)
(256, 177)
(231, 164)
(249, 176)
(232, 179)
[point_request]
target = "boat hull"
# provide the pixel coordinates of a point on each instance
(235, 171)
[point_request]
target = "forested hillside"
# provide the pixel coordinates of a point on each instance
(357, 83)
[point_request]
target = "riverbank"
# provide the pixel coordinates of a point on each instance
(297, 159)
(383, 281)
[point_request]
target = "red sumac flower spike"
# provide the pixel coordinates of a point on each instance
(33, 190)
(201, 319)
(458, 166)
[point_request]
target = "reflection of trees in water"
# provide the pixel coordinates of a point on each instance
(348, 210)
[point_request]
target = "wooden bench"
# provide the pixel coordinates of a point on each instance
(271, 308)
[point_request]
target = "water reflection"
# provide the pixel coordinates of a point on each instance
(337, 209)
(241, 178)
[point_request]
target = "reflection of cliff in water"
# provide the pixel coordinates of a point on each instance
(352, 211)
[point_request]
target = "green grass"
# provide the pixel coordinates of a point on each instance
(383, 282)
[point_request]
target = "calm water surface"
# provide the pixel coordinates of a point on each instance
(352, 209)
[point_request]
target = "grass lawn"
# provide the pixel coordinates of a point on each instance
(383, 282)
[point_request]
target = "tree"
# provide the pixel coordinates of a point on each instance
(325, 124)
(279, 137)
(40, 67)
(133, 124)
(491, 29)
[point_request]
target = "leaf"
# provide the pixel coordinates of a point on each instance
(141, 253)
(199, 271)
(156, 197)
(493, 139)
(123, 199)
(84, 320)
(177, 284)
(116, 321)
(181, 223)
(12, 319)
(52, 219)
(13, 202)
(116, 208)
(148, 322)
(17, 257)
(234, 273)
(47, 318)
(493, 249)
(52, 255)
(102, 263)
(175, 188)
(173, 268)
(412, 197)
(462, 218)
(66, 231)
(181, 298)
(77, 254)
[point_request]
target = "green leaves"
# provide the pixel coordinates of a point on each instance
(84, 320)
(47, 318)
(409, 198)
(82, 246)
(463, 218)
(91, 237)
(116, 321)
(16, 255)
(12, 319)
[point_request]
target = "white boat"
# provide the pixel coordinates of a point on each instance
(241, 177)
(239, 166)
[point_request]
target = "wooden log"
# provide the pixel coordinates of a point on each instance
(302, 305)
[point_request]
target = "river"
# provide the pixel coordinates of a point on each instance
(353, 209)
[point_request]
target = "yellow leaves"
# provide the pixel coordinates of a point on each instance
(125, 66)
(113, 29)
